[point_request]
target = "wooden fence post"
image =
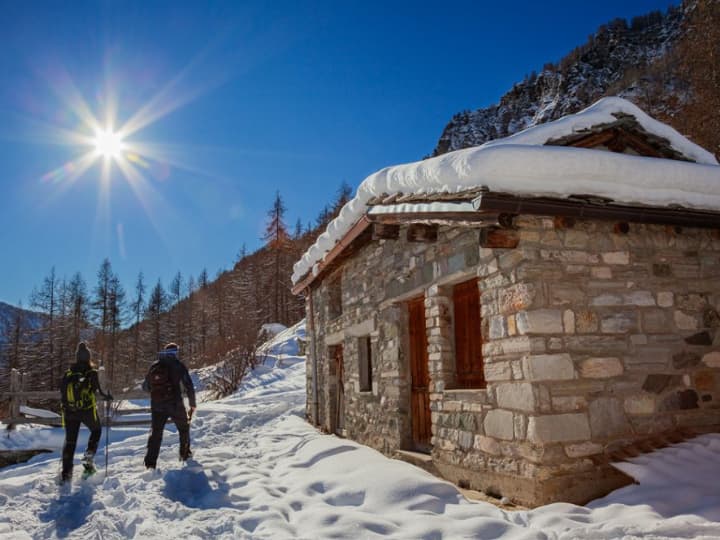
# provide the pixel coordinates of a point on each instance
(23, 387)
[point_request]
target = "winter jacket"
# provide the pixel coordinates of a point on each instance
(178, 374)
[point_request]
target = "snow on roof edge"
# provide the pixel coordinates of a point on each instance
(520, 164)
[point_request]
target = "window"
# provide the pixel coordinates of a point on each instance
(335, 297)
(468, 335)
(365, 359)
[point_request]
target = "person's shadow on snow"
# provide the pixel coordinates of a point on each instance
(69, 511)
(192, 487)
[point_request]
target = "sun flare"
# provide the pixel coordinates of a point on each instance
(108, 144)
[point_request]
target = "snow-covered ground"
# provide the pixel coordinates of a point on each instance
(263, 472)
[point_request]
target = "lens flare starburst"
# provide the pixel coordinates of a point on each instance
(109, 144)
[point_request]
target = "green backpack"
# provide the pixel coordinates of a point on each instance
(79, 394)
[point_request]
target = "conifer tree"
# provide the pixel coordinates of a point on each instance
(137, 307)
(276, 238)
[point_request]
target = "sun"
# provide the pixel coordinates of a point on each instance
(108, 144)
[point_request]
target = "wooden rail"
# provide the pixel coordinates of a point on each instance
(18, 397)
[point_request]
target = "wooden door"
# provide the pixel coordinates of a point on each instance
(419, 395)
(339, 423)
(468, 335)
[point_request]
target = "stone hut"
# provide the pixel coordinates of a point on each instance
(519, 314)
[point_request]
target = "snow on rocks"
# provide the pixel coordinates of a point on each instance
(262, 471)
(521, 165)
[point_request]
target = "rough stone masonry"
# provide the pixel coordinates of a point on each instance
(594, 337)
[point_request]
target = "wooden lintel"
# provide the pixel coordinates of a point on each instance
(494, 237)
(418, 232)
(385, 231)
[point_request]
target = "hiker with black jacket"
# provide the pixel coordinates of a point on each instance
(164, 381)
(78, 388)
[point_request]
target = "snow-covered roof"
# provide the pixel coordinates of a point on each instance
(522, 165)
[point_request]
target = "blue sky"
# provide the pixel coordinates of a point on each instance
(245, 98)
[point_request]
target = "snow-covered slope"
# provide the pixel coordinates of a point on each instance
(262, 472)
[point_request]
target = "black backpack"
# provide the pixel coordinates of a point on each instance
(161, 386)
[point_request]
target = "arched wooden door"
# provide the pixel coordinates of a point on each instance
(419, 395)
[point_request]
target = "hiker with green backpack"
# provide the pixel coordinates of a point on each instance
(79, 386)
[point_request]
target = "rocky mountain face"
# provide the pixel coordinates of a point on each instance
(648, 60)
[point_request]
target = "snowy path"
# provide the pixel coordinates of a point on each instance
(265, 473)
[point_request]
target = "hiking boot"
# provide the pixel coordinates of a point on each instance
(87, 461)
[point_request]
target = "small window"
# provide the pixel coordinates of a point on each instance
(365, 358)
(468, 335)
(335, 297)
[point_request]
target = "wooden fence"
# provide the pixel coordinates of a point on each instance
(18, 397)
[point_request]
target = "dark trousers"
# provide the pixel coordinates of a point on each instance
(72, 427)
(160, 414)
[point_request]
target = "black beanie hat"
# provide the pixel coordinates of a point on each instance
(82, 355)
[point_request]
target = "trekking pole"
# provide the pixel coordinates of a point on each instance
(107, 433)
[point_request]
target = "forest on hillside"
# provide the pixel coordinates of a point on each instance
(666, 63)
(210, 318)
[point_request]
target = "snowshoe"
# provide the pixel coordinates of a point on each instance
(88, 470)
(88, 466)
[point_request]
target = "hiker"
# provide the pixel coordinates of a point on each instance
(163, 381)
(78, 388)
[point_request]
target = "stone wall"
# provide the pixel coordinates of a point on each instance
(595, 336)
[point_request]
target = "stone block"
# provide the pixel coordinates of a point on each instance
(591, 344)
(607, 300)
(639, 298)
(619, 323)
(640, 404)
(656, 383)
(499, 424)
(586, 322)
(466, 440)
(548, 367)
(558, 428)
(520, 424)
(569, 321)
(516, 297)
(601, 272)
(518, 396)
(664, 299)
(655, 321)
(712, 359)
(569, 403)
(498, 327)
(497, 371)
(487, 445)
(649, 357)
(607, 418)
(539, 321)
(685, 359)
(561, 294)
(684, 321)
(583, 449)
(601, 368)
(511, 326)
(616, 257)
